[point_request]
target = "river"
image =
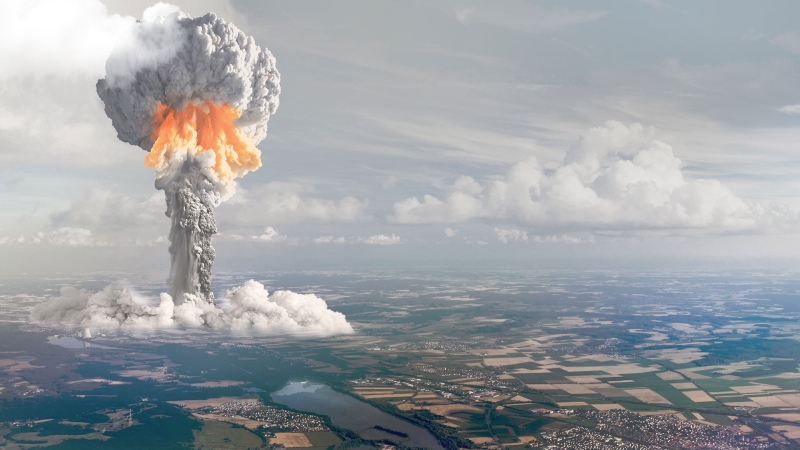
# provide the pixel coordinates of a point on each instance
(355, 415)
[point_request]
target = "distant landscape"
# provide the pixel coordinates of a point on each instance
(595, 359)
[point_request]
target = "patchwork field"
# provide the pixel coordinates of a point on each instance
(500, 360)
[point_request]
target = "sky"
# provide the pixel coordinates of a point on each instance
(424, 133)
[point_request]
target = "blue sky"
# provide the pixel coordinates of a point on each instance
(517, 131)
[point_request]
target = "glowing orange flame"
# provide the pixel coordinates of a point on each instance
(202, 128)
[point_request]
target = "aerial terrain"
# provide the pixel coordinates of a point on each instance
(378, 224)
(520, 359)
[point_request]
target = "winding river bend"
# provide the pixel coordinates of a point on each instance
(347, 412)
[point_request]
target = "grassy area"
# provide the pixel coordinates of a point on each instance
(322, 438)
(718, 419)
(221, 435)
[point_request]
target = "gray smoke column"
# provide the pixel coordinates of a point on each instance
(191, 199)
(197, 94)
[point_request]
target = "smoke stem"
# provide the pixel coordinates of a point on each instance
(191, 199)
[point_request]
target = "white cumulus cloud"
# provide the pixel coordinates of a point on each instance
(330, 240)
(271, 235)
(268, 236)
(562, 238)
(510, 235)
(61, 37)
(377, 239)
(382, 239)
(617, 177)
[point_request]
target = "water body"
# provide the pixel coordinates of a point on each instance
(347, 412)
(71, 342)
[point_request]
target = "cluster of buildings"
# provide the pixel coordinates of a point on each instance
(459, 371)
(18, 387)
(275, 419)
(667, 430)
(458, 390)
(444, 345)
(579, 438)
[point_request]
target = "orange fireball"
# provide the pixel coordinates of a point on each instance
(200, 128)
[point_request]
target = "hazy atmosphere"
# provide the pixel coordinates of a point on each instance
(416, 132)
(390, 225)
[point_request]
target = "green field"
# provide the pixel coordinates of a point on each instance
(222, 435)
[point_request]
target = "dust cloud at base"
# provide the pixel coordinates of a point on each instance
(247, 308)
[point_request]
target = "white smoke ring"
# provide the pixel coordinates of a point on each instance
(250, 308)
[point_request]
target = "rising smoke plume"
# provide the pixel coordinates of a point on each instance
(196, 93)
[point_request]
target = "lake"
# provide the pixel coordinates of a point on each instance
(355, 415)
(71, 342)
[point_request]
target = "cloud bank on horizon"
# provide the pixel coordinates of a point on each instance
(500, 96)
(617, 177)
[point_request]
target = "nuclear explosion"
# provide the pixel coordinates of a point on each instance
(199, 108)
(196, 93)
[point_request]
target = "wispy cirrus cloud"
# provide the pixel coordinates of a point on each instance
(790, 109)
(376, 239)
(789, 41)
(523, 16)
(60, 237)
(289, 202)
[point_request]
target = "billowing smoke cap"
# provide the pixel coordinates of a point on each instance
(177, 59)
